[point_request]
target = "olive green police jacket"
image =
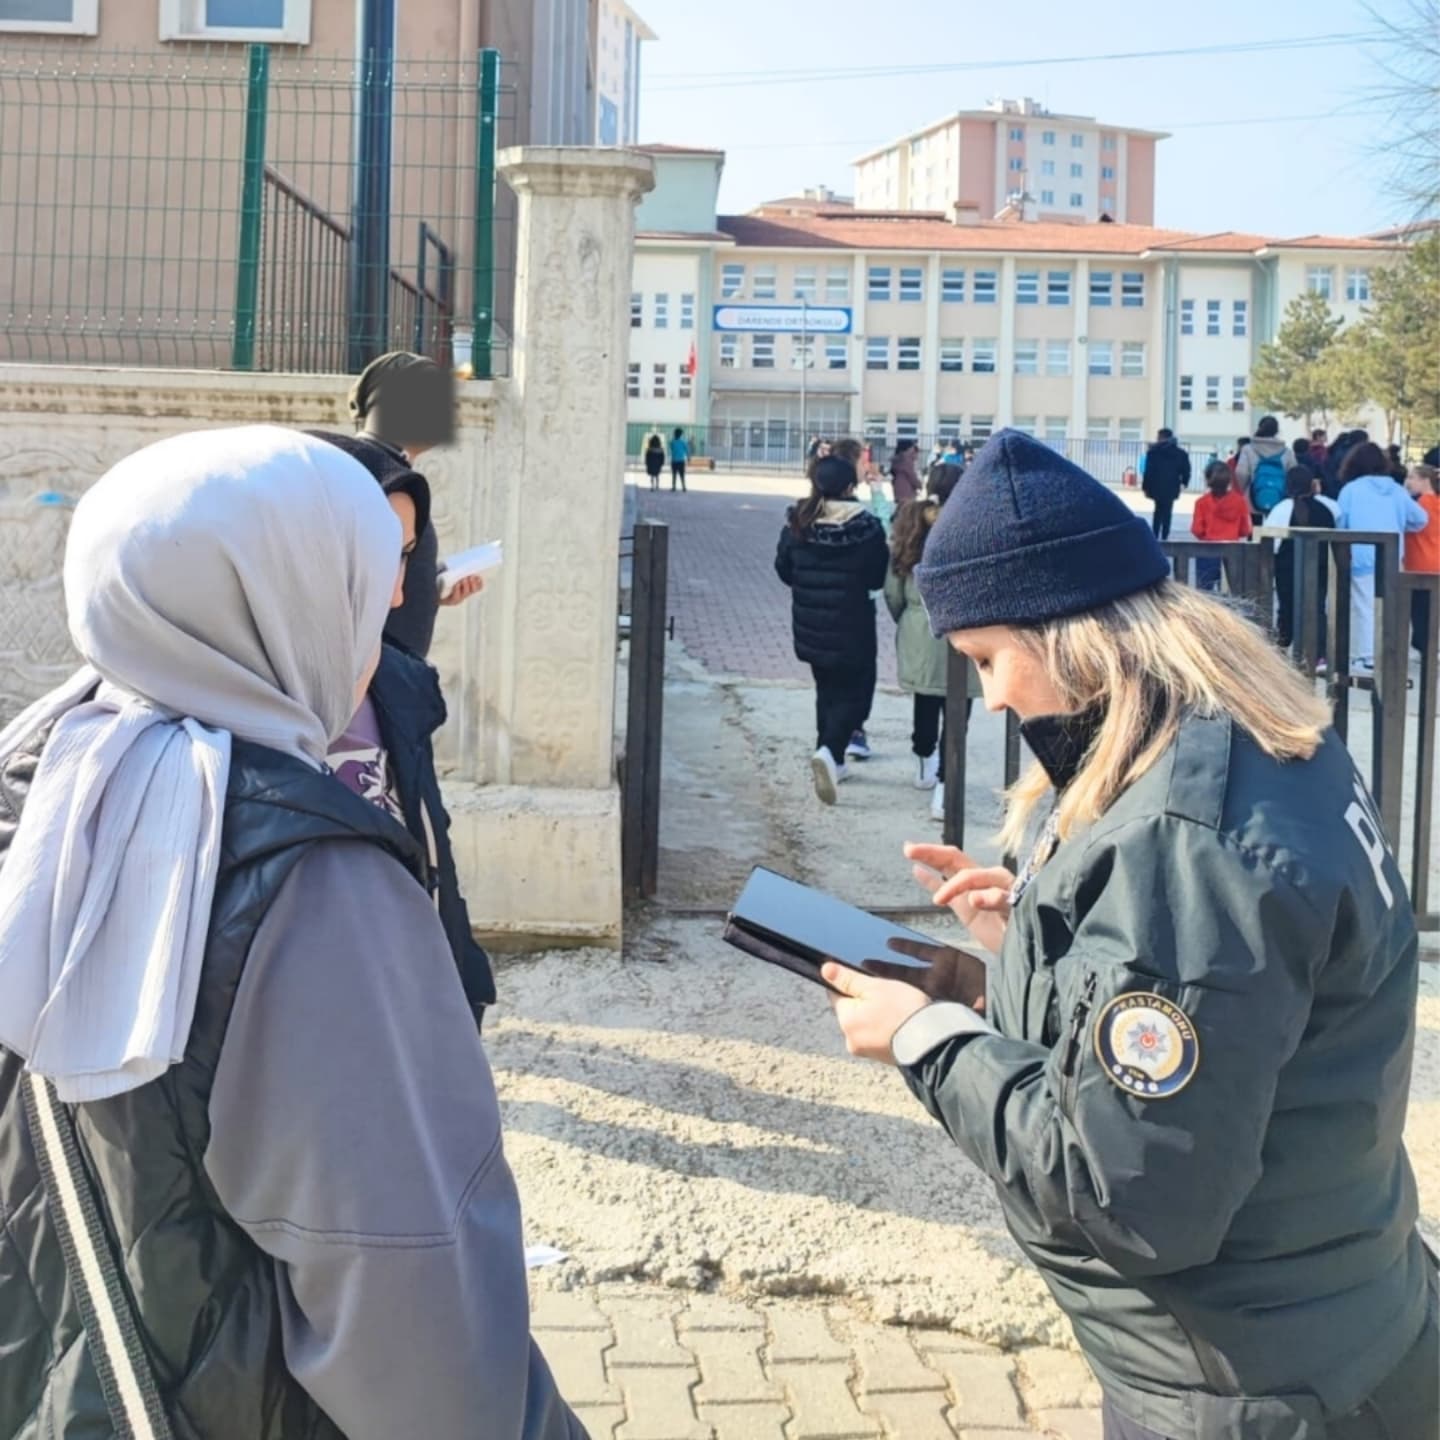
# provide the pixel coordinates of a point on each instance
(1193, 1108)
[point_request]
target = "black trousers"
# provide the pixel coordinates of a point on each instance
(1419, 619)
(654, 475)
(1285, 598)
(843, 695)
(1164, 513)
(677, 474)
(929, 732)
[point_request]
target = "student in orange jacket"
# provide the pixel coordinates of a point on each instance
(1221, 514)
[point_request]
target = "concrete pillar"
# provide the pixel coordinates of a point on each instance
(1080, 356)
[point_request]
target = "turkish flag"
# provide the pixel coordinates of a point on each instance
(693, 363)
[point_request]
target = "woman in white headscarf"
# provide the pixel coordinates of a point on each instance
(249, 1143)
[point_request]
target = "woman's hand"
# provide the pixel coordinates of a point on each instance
(464, 589)
(871, 1010)
(979, 895)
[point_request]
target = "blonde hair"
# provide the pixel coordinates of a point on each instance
(1153, 657)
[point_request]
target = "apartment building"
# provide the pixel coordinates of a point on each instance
(1070, 168)
(812, 318)
(619, 34)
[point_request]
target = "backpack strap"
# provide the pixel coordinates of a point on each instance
(121, 1362)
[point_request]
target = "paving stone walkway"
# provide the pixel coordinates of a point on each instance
(638, 1362)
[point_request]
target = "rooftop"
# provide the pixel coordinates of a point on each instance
(680, 150)
(995, 112)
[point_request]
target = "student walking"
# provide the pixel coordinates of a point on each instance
(1261, 468)
(922, 658)
(679, 454)
(1422, 547)
(1304, 508)
(1190, 1077)
(832, 554)
(1371, 500)
(1166, 468)
(905, 472)
(1220, 515)
(654, 460)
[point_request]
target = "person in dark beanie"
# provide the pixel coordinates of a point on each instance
(1189, 1080)
(833, 555)
(1167, 473)
(403, 405)
(386, 754)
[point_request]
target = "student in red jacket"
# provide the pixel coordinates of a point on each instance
(1222, 514)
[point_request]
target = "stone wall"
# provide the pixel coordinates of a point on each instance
(529, 667)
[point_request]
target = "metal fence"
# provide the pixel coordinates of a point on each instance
(223, 208)
(777, 446)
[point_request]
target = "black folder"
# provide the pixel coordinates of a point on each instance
(798, 928)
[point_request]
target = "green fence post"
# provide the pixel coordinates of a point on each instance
(483, 273)
(252, 210)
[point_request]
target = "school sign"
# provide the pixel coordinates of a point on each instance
(784, 319)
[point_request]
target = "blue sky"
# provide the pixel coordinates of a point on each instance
(1262, 169)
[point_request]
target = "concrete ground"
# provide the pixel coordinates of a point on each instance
(766, 1237)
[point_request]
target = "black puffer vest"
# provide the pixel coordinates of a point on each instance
(203, 1293)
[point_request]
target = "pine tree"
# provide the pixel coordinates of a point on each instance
(1290, 375)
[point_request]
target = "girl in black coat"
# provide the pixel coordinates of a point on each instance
(833, 555)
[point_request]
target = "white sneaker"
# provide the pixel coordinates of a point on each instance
(827, 776)
(937, 802)
(927, 769)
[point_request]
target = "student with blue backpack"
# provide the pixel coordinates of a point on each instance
(1262, 467)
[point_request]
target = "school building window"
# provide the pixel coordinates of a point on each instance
(876, 426)
(878, 287)
(908, 353)
(1107, 172)
(949, 427)
(732, 281)
(1132, 359)
(952, 286)
(837, 284)
(912, 283)
(1025, 424)
(1212, 317)
(1027, 287)
(55, 17)
(1187, 392)
(837, 353)
(285, 22)
(637, 310)
(1057, 287)
(1077, 200)
(1132, 430)
(660, 380)
(1320, 280)
(877, 352)
(1057, 428)
(762, 352)
(662, 310)
(1057, 357)
(1108, 143)
(802, 352)
(1017, 164)
(1027, 357)
(1102, 288)
(1047, 197)
(762, 287)
(982, 427)
(1132, 289)
(687, 383)
(1212, 392)
(805, 284)
(1102, 357)
(1047, 137)
(1077, 142)
(952, 356)
(982, 357)
(632, 380)
(1107, 204)
(1240, 318)
(1016, 133)
(1077, 172)
(1357, 284)
(907, 427)
(1187, 317)
(729, 352)
(1238, 386)
(1047, 167)
(1098, 428)
(987, 283)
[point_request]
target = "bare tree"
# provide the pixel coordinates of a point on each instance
(1408, 54)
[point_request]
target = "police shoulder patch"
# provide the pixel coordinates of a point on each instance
(1147, 1045)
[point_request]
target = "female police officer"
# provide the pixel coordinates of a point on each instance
(1190, 1079)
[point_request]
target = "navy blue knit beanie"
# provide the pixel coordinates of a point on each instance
(1028, 537)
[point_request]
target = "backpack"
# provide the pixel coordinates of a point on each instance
(1267, 483)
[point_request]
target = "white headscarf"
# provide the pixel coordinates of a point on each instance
(222, 583)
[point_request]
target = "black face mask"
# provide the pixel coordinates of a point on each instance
(1061, 742)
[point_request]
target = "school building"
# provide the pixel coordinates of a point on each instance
(808, 316)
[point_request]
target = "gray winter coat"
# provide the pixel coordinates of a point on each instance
(922, 658)
(1193, 1108)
